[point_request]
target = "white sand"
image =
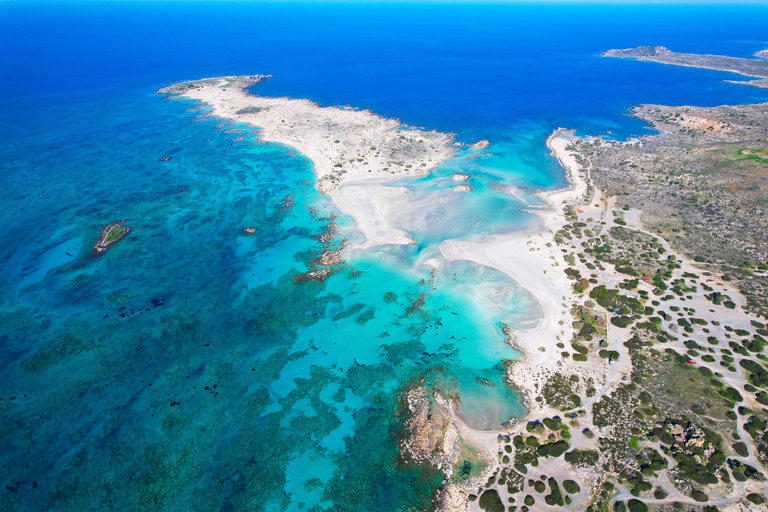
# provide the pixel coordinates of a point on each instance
(356, 152)
(369, 205)
(345, 145)
(527, 260)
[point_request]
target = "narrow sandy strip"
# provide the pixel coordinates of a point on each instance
(368, 205)
(345, 146)
(532, 264)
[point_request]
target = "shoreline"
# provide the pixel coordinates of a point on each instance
(358, 187)
(531, 263)
(535, 267)
(352, 148)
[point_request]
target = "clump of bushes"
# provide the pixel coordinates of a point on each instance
(491, 501)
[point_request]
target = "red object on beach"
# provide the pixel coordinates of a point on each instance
(691, 361)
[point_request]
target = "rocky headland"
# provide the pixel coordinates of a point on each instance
(757, 68)
(344, 144)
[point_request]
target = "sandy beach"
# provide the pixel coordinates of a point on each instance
(528, 260)
(347, 146)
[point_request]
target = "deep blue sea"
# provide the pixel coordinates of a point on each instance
(186, 369)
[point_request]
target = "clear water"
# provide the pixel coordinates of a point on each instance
(185, 369)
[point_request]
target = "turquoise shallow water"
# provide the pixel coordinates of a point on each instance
(186, 369)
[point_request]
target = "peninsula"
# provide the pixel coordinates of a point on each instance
(757, 68)
(345, 144)
(353, 152)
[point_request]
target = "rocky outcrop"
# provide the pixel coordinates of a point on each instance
(110, 235)
(641, 52)
(237, 81)
(329, 258)
(431, 433)
(316, 274)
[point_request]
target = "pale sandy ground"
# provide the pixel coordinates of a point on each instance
(370, 205)
(354, 152)
(527, 259)
(537, 267)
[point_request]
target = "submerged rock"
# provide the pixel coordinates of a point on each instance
(316, 274)
(329, 258)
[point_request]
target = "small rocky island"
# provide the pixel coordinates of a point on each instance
(110, 235)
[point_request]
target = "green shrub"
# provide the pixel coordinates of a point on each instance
(555, 497)
(755, 498)
(758, 376)
(581, 349)
(571, 487)
(491, 501)
(732, 394)
(740, 449)
(622, 321)
(585, 458)
(637, 506)
(699, 496)
(555, 449)
(609, 354)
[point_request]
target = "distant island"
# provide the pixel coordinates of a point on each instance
(757, 68)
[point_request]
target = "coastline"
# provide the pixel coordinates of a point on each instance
(532, 261)
(538, 260)
(358, 186)
(534, 265)
(354, 153)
